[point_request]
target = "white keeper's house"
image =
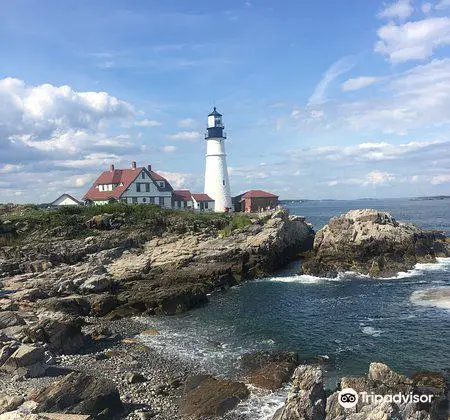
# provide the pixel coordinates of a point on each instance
(142, 185)
(136, 185)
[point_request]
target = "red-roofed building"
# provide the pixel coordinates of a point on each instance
(134, 185)
(203, 202)
(182, 199)
(254, 201)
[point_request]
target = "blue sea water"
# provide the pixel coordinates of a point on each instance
(351, 320)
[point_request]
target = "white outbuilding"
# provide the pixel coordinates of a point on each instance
(66, 200)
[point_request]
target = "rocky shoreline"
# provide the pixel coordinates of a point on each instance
(69, 342)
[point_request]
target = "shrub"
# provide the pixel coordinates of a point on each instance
(238, 221)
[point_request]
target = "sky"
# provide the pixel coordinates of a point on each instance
(320, 99)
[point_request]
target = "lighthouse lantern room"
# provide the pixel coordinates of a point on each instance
(217, 185)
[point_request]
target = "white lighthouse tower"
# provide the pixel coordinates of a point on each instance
(217, 185)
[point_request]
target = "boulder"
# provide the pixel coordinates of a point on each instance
(79, 393)
(306, 400)
(26, 361)
(103, 304)
(105, 221)
(10, 319)
(205, 396)
(70, 305)
(372, 243)
(269, 370)
(62, 336)
(134, 378)
(96, 284)
(9, 402)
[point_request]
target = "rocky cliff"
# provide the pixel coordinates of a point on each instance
(374, 396)
(164, 267)
(373, 243)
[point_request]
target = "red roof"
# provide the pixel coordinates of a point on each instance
(202, 197)
(184, 195)
(117, 176)
(258, 194)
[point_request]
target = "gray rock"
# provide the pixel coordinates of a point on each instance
(134, 378)
(61, 336)
(306, 400)
(10, 319)
(373, 243)
(9, 402)
(26, 361)
(96, 284)
(79, 393)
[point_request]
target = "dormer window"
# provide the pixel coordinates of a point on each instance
(162, 184)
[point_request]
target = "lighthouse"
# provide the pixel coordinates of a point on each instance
(217, 185)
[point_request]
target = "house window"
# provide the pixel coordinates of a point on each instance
(138, 187)
(147, 187)
(144, 200)
(143, 175)
(161, 201)
(206, 204)
(152, 200)
(134, 200)
(161, 184)
(179, 204)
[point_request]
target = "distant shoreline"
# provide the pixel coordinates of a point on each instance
(429, 198)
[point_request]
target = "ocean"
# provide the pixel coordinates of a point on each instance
(349, 321)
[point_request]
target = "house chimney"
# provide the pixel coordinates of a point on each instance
(111, 167)
(133, 165)
(149, 167)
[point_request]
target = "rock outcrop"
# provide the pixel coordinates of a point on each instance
(269, 370)
(205, 397)
(307, 399)
(372, 243)
(79, 394)
(166, 271)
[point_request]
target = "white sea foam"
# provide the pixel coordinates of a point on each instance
(261, 405)
(438, 297)
(441, 264)
(371, 331)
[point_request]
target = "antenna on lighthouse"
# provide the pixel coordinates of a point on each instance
(217, 184)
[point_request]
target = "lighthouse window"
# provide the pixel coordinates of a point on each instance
(223, 181)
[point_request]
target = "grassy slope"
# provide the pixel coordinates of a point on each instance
(70, 222)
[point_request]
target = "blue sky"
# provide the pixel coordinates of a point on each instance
(321, 99)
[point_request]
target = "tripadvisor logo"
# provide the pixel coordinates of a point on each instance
(348, 398)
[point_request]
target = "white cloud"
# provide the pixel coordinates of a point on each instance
(442, 5)
(358, 83)
(186, 122)
(296, 113)
(440, 179)
(147, 123)
(401, 9)
(184, 136)
(179, 179)
(378, 178)
(38, 110)
(8, 168)
(338, 68)
(417, 98)
(413, 40)
(169, 149)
